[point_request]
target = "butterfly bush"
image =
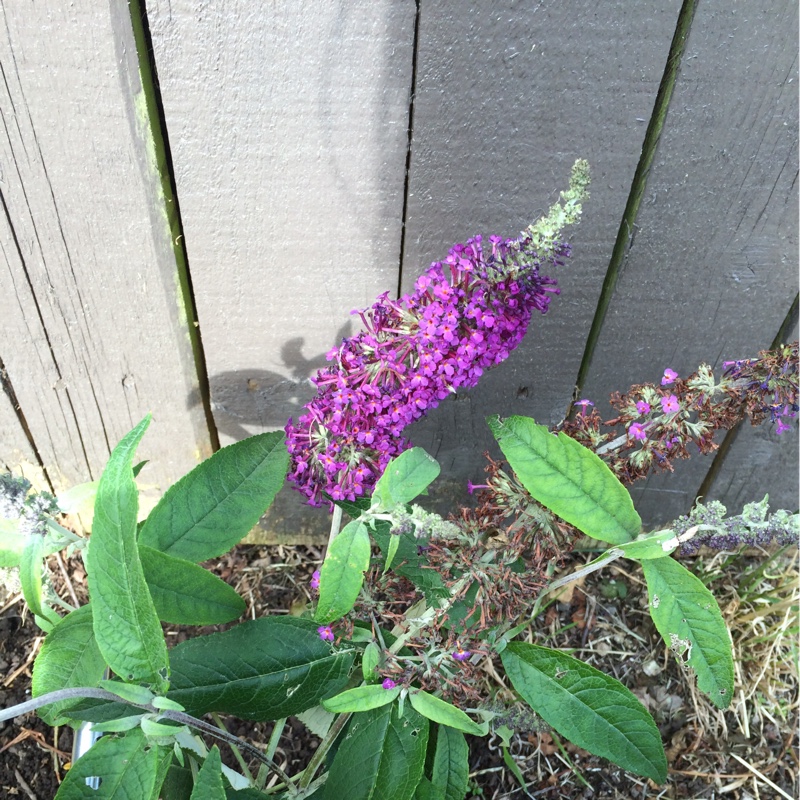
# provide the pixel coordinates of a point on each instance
(466, 314)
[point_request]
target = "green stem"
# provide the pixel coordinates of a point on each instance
(237, 753)
(336, 523)
(322, 750)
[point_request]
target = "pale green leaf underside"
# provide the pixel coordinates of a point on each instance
(342, 573)
(361, 698)
(688, 618)
(405, 477)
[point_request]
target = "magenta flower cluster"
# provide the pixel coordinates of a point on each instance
(466, 314)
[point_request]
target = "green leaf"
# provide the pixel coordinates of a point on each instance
(362, 698)
(342, 572)
(126, 625)
(127, 765)
(208, 785)
(118, 725)
(590, 708)
(69, 658)
(12, 543)
(263, 669)
(450, 772)
(513, 767)
(405, 477)
(568, 478)
(128, 691)
(427, 791)
(31, 567)
(370, 661)
(438, 710)
(78, 498)
(658, 544)
(185, 593)
(381, 756)
(408, 561)
(688, 618)
(394, 543)
(212, 508)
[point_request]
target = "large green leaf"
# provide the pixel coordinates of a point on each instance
(688, 617)
(126, 625)
(263, 669)
(438, 710)
(381, 756)
(185, 593)
(69, 658)
(568, 478)
(590, 708)
(128, 767)
(405, 477)
(213, 507)
(342, 572)
(450, 772)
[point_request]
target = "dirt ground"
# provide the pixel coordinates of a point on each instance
(748, 752)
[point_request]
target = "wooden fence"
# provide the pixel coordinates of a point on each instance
(196, 195)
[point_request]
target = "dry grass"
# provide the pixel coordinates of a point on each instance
(747, 752)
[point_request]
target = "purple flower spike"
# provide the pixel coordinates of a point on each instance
(388, 683)
(325, 633)
(314, 582)
(670, 404)
(466, 314)
(669, 377)
(637, 431)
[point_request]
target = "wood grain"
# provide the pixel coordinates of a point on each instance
(712, 265)
(288, 131)
(93, 334)
(508, 96)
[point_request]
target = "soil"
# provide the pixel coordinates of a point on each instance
(709, 753)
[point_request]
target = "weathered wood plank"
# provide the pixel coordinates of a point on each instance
(288, 132)
(508, 96)
(712, 267)
(17, 455)
(93, 332)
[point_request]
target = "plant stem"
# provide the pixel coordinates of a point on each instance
(175, 716)
(322, 750)
(237, 753)
(336, 523)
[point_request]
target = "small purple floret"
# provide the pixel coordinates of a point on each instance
(670, 404)
(388, 683)
(325, 633)
(669, 377)
(637, 431)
